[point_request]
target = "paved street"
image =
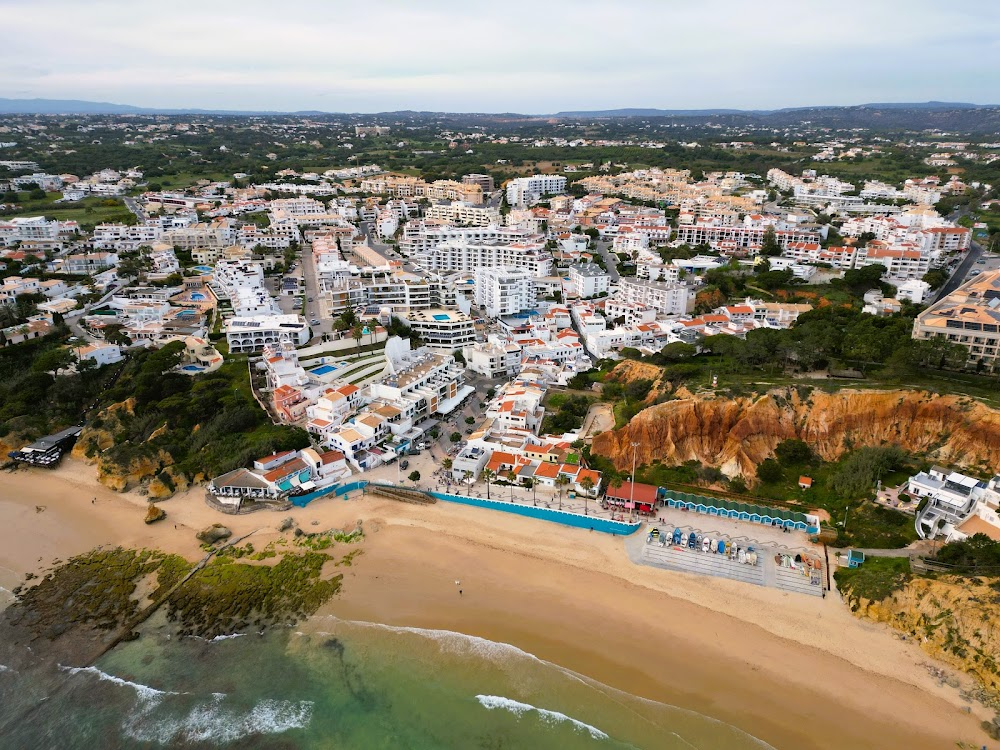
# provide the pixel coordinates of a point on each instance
(968, 263)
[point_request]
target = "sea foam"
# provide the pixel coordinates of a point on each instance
(145, 693)
(214, 723)
(449, 641)
(494, 702)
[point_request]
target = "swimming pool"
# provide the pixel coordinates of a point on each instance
(203, 269)
(197, 296)
(324, 370)
(193, 368)
(186, 314)
(441, 317)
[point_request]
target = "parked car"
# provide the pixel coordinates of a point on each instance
(314, 321)
(404, 464)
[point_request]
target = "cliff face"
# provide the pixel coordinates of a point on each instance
(99, 436)
(737, 434)
(953, 619)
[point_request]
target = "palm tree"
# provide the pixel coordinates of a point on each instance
(357, 333)
(587, 485)
(615, 480)
(486, 476)
(446, 464)
(561, 481)
(530, 484)
(512, 478)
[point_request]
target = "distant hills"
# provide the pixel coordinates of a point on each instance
(961, 116)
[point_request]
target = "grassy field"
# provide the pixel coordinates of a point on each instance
(182, 180)
(88, 212)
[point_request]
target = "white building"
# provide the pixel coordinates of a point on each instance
(588, 280)
(914, 290)
(525, 190)
(252, 333)
(504, 291)
(462, 214)
(494, 358)
(665, 298)
(470, 256)
(442, 329)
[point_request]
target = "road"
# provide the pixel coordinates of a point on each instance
(134, 207)
(968, 262)
(311, 310)
(610, 259)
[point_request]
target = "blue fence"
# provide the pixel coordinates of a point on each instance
(545, 514)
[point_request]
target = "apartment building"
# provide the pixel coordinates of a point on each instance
(461, 214)
(504, 290)
(442, 329)
(35, 228)
(217, 233)
(740, 237)
(88, 263)
(470, 256)
(495, 358)
(484, 181)
(588, 280)
(253, 332)
(665, 298)
(899, 262)
(433, 382)
(419, 236)
(523, 191)
(242, 283)
(969, 316)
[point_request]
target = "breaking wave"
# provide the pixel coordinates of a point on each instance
(209, 721)
(493, 702)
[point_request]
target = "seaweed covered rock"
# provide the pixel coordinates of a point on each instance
(154, 514)
(214, 533)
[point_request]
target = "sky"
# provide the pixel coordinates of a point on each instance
(524, 56)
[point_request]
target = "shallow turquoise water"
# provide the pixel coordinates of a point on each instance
(343, 685)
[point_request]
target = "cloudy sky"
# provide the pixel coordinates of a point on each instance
(514, 55)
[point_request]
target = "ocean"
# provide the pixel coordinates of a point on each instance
(331, 683)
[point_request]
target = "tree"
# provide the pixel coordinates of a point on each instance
(793, 451)
(512, 478)
(53, 360)
(459, 357)
(862, 279)
(936, 278)
(769, 246)
(446, 464)
(414, 476)
(357, 333)
(530, 484)
(561, 481)
(737, 485)
(470, 420)
(114, 334)
(769, 471)
(587, 485)
(487, 476)
(455, 437)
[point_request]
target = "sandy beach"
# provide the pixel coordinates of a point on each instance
(795, 671)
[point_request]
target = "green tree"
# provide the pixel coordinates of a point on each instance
(793, 451)
(487, 475)
(936, 278)
(414, 476)
(862, 279)
(769, 246)
(587, 485)
(53, 360)
(769, 471)
(738, 485)
(561, 482)
(357, 333)
(455, 437)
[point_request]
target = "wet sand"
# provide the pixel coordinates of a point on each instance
(796, 671)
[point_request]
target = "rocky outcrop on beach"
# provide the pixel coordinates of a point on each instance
(151, 469)
(956, 620)
(214, 533)
(154, 514)
(736, 434)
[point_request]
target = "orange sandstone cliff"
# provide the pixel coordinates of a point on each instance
(737, 434)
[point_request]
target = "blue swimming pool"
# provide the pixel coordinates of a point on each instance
(441, 317)
(324, 370)
(193, 368)
(186, 314)
(197, 296)
(203, 269)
